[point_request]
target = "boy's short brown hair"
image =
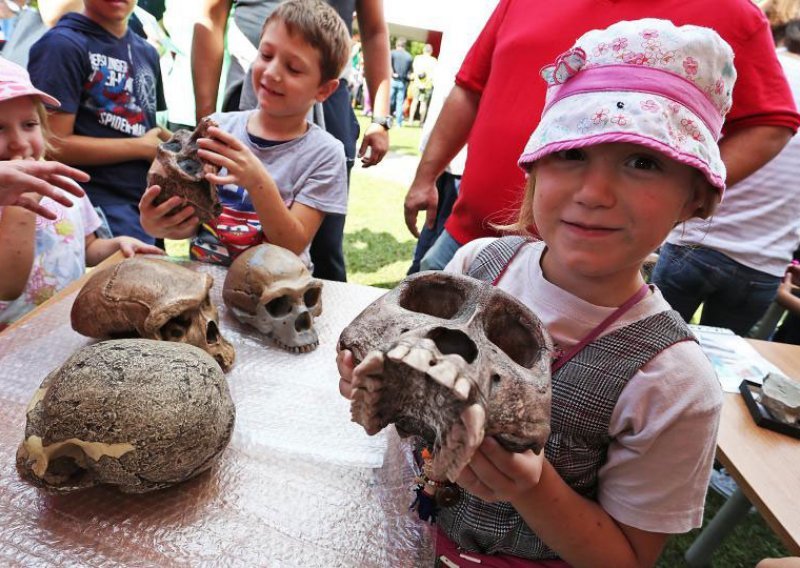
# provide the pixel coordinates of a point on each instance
(320, 26)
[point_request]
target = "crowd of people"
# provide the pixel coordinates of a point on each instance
(642, 118)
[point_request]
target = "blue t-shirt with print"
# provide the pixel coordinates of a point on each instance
(112, 85)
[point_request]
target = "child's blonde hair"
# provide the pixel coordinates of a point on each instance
(44, 125)
(320, 26)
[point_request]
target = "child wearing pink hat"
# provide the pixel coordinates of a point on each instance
(625, 151)
(40, 256)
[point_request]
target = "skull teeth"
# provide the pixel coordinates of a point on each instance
(296, 348)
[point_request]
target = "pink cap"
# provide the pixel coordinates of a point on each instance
(15, 82)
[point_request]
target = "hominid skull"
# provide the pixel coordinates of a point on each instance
(137, 414)
(271, 289)
(152, 299)
(451, 359)
(179, 171)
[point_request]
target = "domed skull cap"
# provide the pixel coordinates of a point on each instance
(152, 299)
(179, 171)
(136, 414)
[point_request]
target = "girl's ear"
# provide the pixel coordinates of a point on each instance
(703, 202)
(326, 89)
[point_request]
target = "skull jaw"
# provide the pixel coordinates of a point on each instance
(281, 333)
(393, 388)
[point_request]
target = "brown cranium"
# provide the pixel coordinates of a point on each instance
(179, 171)
(133, 413)
(451, 359)
(152, 299)
(271, 289)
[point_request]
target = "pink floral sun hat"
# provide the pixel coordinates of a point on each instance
(15, 82)
(646, 82)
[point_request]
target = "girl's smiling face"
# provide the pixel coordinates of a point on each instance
(21, 135)
(602, 209)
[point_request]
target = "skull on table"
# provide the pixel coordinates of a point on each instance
(152, 299)
(136, 414)
(451, 359)
(269, 288)
(179, 171)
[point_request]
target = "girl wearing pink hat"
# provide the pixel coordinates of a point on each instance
(41, 255)
(625, 151)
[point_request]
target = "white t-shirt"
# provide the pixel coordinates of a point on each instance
(758, 222)
(664, 427)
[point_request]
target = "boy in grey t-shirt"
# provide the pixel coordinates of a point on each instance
(279, 175)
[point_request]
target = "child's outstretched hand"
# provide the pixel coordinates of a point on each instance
(495, 474)
(130, 246)
(226, 151)
(163, 221)
(344, 361)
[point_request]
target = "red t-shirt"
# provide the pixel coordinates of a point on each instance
(522, 36)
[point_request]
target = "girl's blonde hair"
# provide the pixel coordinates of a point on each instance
(44, 125)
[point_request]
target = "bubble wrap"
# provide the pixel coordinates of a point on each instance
(299, 485)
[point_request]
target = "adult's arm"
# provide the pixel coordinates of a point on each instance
(377, 72)
(746, 150)
(208, 47)
(89, 151)
(52, 10)
(448, 136)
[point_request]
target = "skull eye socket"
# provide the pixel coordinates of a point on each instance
(176, 328)
(191, 167)
(513, 332)
(279, 307)
(432, 296)
(172, 146)
(311, 297)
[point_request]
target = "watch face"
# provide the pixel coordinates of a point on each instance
(385, 121)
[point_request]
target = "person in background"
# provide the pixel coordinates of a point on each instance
(39, 257)
(336, 115)
(733, 263)
(423, 69)
(108, 80)
(401, 74)
(497, 99)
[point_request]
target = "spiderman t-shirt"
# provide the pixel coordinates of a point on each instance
(112, 85)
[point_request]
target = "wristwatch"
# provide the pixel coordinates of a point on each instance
(385, 121)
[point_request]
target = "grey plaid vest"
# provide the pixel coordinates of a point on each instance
(585, 392)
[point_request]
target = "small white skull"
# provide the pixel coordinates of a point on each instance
(269, 288)
(152, 299)
(451, 359)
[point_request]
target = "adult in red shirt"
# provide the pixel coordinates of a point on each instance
(499, 96)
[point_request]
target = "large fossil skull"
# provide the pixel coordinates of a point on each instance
(153, 299)
(271, 289)
(179, 171)
(451, 359)
(133, 413)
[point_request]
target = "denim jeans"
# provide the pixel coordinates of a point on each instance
(397, 98)
(447, 187)
(440, 253)
(733, 295)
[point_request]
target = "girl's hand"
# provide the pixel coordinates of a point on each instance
(226, 151)
(164, 221)
(20, 177)
(344, 361)
(130, 246)
(495, 474)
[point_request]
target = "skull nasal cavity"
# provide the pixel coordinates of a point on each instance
(452, 341)
(303, 322)
(212, 333)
